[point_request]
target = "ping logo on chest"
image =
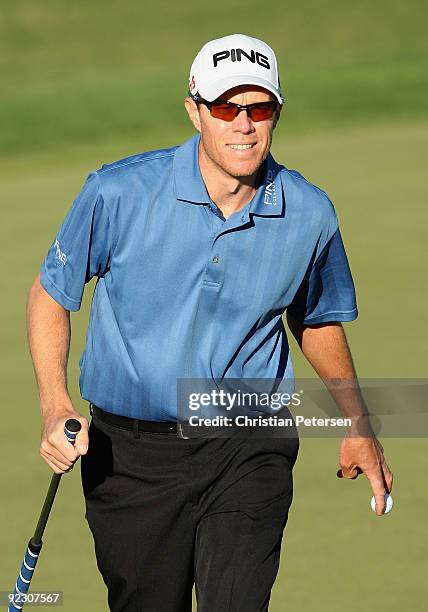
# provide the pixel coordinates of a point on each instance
(236, 55)
(270, 192)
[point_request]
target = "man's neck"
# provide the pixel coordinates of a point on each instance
(229, 193)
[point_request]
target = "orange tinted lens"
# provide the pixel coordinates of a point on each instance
(262, 112)
(227, 112)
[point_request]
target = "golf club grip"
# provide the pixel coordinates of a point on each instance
(71, 429)
(25, 574)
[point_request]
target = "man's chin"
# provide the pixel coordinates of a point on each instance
(243, 170)
(241, 175)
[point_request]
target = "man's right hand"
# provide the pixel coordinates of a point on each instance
(55, 449)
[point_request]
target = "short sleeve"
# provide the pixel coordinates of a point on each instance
(81, 248)
(327, 292)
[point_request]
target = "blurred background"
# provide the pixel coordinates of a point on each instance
(85, 83)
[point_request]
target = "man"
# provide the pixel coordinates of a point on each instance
(198, 251)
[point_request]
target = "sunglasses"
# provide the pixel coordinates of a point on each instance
(222, 109)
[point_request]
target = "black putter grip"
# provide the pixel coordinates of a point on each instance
(71, 429)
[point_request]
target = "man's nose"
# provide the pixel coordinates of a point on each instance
(242, 123)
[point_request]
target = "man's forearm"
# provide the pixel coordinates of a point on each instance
(326, 348)
(49, 331)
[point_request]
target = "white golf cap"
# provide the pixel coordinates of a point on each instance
(230, 61)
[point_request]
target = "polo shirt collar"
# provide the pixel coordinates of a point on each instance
(190, 187)
(269, 200)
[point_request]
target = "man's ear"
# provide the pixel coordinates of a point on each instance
(193, 112)
(277, 116)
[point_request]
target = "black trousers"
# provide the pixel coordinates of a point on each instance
(166, 513)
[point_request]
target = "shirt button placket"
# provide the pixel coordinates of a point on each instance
(215, 268)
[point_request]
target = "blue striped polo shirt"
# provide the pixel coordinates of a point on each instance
(181, 291)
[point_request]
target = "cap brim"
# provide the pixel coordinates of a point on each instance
(214, 91)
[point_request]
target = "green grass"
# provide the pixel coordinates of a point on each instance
(75, 73)
(83, 83)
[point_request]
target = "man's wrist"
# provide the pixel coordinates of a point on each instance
(360, 427)
(56, 407)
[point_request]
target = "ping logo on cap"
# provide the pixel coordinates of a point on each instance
(235, 55)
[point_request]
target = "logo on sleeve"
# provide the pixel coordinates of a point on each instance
(60, 255)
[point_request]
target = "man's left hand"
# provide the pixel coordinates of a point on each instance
(364, 455)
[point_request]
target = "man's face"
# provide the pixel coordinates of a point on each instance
(221, 141)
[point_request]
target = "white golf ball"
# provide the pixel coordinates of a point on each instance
(388, 503)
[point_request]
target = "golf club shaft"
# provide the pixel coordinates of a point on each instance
(71, 429)
(44, 515)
